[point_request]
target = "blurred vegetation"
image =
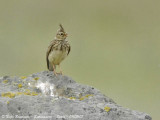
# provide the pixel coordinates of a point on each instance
(115, 45)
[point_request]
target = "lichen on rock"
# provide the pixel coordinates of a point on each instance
(44, 94)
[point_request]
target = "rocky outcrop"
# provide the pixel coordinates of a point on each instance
(49, 97)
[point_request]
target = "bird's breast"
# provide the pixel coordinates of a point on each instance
(57, 55)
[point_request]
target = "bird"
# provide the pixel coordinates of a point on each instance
(58, 50)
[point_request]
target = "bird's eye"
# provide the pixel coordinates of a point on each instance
(61, 34)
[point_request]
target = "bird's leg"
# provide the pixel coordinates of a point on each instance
(60, 69)
(54, 70)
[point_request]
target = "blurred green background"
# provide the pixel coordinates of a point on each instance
(115, 45)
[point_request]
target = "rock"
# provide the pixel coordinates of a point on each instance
(46, 96)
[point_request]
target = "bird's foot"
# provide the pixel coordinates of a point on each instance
(60, 73)
(54, 73)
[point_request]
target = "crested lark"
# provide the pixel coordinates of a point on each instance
(58, 50)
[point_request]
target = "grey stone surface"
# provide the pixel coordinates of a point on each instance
(48, 97)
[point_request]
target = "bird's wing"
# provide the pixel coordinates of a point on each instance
(69, 49)
(48, 52)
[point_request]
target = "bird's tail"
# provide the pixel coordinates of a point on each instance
(50, 68)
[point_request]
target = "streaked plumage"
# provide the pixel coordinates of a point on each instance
(58, 50)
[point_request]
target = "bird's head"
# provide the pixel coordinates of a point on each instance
(61, 34)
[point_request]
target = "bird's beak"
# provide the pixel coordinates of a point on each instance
(66, 34)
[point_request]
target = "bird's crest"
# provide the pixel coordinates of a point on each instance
(61, 28)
